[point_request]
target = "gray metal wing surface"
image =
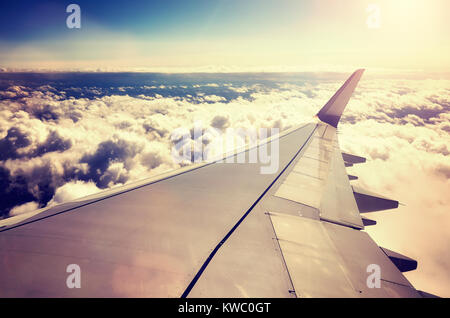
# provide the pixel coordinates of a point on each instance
(212, 230)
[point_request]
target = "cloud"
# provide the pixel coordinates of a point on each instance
(220, 122)
(24, 208)
(16, 145)
(103, 169)
(13, 191)
(73, 190)
(214, 98)
(13, 141)
(14, 91)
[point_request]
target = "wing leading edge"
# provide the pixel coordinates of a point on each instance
(212, 230)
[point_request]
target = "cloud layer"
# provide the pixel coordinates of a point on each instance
(63, 141)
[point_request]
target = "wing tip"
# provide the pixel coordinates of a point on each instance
(333, 109)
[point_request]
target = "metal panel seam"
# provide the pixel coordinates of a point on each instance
(214, 251)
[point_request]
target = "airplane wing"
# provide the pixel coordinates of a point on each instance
(216, 229)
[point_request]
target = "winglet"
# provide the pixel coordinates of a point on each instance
(332, 111)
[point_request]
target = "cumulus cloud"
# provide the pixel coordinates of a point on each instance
(220, 122)
(58, 143)
(214, 98)
(24, 208)
(105, 166)
(73, 190)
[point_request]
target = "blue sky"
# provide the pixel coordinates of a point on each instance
(236, 35)
(26, 20)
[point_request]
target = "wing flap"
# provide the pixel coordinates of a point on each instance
(318, 179)
(353, 158)
(328, 260)
(402, 262)
(369, 202)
